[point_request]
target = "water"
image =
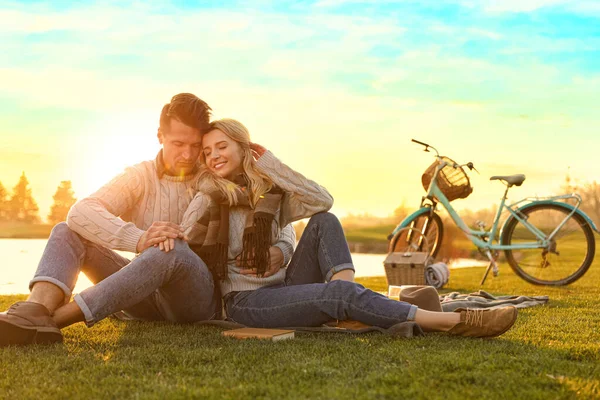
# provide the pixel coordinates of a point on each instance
(20, 258)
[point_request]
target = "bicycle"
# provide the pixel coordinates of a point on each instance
(546, 241)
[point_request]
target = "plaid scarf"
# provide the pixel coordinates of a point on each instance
(212, 244)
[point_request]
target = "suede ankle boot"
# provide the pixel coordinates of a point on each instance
(27, 322)
(484, 322)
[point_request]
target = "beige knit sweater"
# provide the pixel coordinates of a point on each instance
(118, 214)
(303, 198)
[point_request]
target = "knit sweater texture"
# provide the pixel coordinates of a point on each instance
(119, 213)
(303, 198)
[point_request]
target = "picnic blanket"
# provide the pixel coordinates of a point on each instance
(403, 329)
(483, 299)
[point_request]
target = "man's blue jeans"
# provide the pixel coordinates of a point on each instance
(308, 297)
(175, 286)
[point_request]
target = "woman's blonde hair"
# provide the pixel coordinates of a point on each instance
(258, 183)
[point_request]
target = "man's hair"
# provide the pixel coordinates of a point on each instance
(188, 109)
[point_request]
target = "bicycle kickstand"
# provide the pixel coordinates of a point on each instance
(493, 266)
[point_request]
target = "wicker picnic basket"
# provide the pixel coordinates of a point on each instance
(452, 181)
(407, 267)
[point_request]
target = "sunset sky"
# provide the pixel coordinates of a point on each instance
(336, 89)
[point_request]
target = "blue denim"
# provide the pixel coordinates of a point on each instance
(175, 286)
(308, 298)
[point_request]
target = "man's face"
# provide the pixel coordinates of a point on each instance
(181, 147)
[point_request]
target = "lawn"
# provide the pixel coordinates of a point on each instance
(552, 352)
(15, 230)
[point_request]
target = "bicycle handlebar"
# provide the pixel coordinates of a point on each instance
(455, 165)
(421, 143)
(427, 147)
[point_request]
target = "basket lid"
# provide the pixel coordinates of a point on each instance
(406, 258)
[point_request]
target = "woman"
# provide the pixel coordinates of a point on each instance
(246, 202)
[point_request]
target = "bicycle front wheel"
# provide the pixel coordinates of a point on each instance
(430, 227)
(565, 260)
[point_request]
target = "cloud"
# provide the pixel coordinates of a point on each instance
(336, 96)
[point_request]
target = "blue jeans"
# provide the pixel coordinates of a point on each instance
(175, 286)
(308, 298)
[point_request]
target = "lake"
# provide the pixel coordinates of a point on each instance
(21, 256)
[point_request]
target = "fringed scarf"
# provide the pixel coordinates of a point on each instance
(213, 243)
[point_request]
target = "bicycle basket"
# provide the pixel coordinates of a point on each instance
(453, 182)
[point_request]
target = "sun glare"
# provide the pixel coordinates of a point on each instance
(116, 142)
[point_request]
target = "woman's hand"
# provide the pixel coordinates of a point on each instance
(275, 263)
(257, 150)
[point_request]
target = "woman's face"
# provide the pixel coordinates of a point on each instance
(223, 155)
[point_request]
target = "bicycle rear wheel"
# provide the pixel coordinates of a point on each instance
(569, 255)
(429, 225)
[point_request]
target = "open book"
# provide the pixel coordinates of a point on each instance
(260, 333)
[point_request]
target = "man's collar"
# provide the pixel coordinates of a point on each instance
(162, 170)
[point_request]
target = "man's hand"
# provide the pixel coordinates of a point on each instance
(275, 263)
(162, 234)
(257, 150)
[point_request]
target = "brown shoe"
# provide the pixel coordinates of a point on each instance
(484, 322)
(26, 322)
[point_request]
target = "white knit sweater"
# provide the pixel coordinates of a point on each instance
(303, 198)
(118, 214)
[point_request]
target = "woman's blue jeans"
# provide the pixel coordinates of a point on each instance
(308, 297)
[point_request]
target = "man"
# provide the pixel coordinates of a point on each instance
(134, 212)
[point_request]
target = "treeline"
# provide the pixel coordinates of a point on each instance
(21, 208)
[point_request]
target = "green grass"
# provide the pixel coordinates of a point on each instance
(13, 230)
(552, 352)
(372, 234)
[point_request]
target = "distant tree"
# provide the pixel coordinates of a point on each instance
(3, 203)
(569, 185)
(401, 212)
(590, 193)
(63, 200)
(22, 207)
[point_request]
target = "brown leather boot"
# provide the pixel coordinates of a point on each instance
(484, 322)
(26, 322)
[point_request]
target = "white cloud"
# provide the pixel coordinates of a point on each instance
(309, 87)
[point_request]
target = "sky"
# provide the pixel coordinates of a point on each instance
(336, 89)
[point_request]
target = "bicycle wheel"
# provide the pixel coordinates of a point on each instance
(430, 227)
(569, 255)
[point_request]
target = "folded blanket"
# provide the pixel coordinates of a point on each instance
(437, 275)
(483, 299)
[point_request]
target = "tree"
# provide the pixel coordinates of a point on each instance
(591, 200)
(3, 203)
(22, 207)
(63, 200)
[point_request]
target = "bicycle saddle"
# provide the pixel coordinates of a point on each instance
(516, 180)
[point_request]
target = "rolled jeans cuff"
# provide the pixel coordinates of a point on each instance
(412, 313)
(66, 290)
(87, 313)
(338, 268)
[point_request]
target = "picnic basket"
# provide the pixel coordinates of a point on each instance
(407, 267)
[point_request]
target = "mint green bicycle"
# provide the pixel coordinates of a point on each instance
(546, 241)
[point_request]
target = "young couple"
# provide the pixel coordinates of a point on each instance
(210, 220)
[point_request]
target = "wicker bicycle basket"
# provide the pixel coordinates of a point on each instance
(453, 182)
